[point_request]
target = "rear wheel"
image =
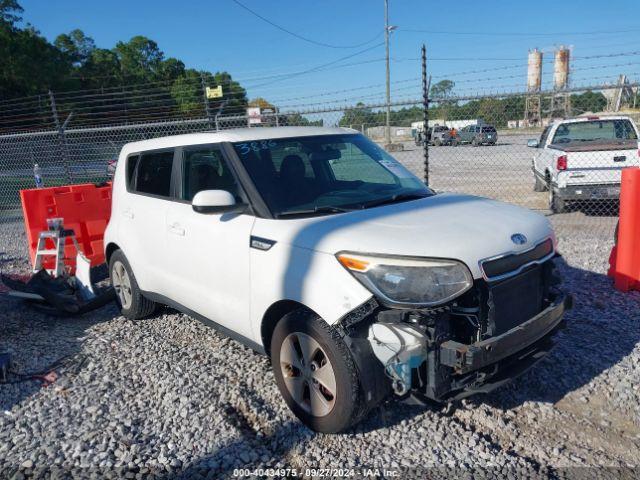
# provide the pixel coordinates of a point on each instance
(556, 204)
(474, 142)
(315, 372)
(540, 185)
(133, 305)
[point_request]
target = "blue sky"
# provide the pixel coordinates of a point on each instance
(220, 35)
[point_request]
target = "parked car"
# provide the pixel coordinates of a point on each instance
(582, 159)
(440, 135)
(477, 135)
(317, 248)
(420, 137)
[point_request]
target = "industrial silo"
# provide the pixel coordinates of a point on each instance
(561, 69)
(534, 71)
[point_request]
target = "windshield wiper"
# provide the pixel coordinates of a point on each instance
(312, 211)
(400, 197)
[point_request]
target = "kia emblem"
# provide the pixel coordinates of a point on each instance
(518, 239)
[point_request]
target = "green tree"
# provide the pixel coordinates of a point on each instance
(187, 93)
(10, 11)
(140, 59)
(102, 69)
(76, 46)
(262, 103)
(442, 89)
(588, 102)
(359, 115)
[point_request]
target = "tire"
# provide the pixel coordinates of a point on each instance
(474, 142)
(437, 142)
(329, 409)
(556, 204)
(539, 185)
(133, 305)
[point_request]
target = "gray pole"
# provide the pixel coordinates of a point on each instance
(425, 100)
(207, 108)
(62, 141)
(386, 46)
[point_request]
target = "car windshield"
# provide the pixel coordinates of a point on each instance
(595, 131)
(324, 174)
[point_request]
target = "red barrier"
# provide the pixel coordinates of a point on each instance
(85, 208)
(625, 257)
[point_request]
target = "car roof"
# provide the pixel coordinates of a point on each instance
(592, 118)
(232, 135)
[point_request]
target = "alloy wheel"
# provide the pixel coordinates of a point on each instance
(308, 374)
(121, 283)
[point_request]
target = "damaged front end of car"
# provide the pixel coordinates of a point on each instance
(495, 330)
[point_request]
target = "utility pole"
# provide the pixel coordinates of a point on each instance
(387, 132)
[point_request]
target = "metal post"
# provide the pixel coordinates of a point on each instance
(386, 46)
(207, 108)
(62, 142)
(425, 106)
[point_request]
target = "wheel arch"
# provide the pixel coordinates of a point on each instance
(111, 248)
(273, 315)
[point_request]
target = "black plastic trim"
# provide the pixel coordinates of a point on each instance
(466, 358)
(156, 297)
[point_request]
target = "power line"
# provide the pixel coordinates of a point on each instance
(318, 68)
(298, 36)
(517, 34)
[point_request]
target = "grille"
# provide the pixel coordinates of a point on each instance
(517, 299)
(511, 263)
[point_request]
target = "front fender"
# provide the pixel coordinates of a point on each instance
(314, 279)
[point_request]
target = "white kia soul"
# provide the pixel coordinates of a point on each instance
(316, 247)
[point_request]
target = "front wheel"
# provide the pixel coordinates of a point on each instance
(315, 372)
(437, 142)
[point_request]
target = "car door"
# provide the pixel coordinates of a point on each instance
(143, 217)
(209, 253)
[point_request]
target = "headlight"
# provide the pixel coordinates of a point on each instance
(409, 282)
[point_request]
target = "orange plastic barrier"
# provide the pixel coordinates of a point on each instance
(85, 208)
(624, 260)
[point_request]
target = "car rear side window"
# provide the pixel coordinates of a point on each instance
(153, 175)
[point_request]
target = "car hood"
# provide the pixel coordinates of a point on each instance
(448, 225)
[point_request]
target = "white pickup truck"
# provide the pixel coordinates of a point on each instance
(582, 159)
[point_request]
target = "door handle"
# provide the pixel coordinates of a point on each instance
(127, 213)
(176, 229)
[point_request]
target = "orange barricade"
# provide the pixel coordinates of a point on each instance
(85, 208)
(624, 260)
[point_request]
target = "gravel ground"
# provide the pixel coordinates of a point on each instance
(171, 397)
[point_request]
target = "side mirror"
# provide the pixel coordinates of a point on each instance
(216, 201)
(533, 143)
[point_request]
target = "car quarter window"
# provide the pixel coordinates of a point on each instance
(206, 169)
(132, 163)
(153, 173)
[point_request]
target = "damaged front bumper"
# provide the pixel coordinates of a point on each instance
(436, 354)
(465, 358)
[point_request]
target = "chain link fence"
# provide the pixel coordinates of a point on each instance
(496, 146)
